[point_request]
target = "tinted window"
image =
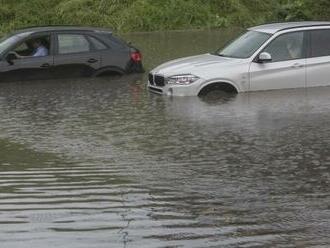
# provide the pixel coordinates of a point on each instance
(115, 41)
(21, 47)
(72, 43)
(245, 46)
(320, 43)
(98, 45)
(287, 47)
(27, 48)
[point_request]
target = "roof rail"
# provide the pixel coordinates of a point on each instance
(304, 26)
(51, 25)
(64, 25)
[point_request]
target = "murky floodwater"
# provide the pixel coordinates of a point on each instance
(96, 163)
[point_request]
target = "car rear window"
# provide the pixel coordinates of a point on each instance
(115, 41)
(98, 45)
(72, 43)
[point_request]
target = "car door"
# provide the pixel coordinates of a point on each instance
(318, 61)
(26, 68)
(287, 69)
(75, 56)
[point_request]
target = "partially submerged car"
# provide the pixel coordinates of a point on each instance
(65, 51)
(266, 57)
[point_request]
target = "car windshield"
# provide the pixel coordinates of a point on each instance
(244, 46)
(7, 42)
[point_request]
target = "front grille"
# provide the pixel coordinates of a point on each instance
(156, 80)
(159, 80)
(151, 79)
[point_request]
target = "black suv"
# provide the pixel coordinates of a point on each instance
(65, 51)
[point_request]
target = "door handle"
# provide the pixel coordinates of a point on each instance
(91, 61)
(45, 65)
(297, 65)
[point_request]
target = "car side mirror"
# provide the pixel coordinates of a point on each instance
(264, 57)
(11, 57)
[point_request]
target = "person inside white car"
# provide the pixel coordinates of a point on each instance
(294, 48)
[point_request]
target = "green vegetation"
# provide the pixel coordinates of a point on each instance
(151, 15)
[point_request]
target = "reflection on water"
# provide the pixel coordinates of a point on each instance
(103, 163)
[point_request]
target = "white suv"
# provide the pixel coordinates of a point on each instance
(267, 57)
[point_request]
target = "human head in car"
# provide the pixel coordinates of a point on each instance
(36, 43)
(294, 47)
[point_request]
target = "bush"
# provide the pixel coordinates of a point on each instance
(150, 15)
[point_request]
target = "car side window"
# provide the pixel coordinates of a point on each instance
(98, 45)
(38, 46)
(320, 43)
(72, 43)
(21, 48)
(287, 47)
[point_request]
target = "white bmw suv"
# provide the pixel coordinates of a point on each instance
(267, 57)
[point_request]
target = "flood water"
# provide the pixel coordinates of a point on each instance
(99, 163)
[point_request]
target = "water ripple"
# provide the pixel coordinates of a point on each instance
(101, 163)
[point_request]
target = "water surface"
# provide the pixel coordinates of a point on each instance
(103, 163)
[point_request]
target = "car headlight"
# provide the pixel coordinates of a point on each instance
(182, 79)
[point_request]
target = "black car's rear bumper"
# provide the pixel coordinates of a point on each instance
(135, 67)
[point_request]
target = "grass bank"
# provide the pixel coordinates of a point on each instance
(151, 15)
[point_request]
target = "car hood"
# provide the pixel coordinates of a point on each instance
(193, 65)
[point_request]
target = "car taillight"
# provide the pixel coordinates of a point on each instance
(136, 56)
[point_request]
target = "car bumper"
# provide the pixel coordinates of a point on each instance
(175, 90)
(135, 67)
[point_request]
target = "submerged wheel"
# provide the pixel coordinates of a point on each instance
(108, 71)
(109, 74)
(218, 88)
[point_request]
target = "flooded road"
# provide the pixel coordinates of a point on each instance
(93, 163)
